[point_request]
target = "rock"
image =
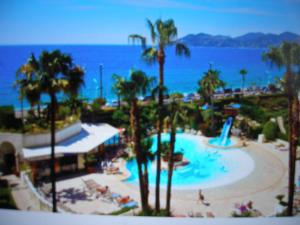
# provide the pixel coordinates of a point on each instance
(281, 124)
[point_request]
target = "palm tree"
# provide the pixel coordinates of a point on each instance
(208, 85)
(287, 55)
(177, 115)
(28, 84)
(116, 86)
(55, 73)
(243, 73)
(138, 84)
(163, 34)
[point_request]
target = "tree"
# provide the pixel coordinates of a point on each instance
(130, 89)
(177, 115)
(28, 84)
(287, 55)
(208, 85)
(116, 86)
(55, 73)
(163, 34)
(243, 73)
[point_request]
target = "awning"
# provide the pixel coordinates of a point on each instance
(90, 137)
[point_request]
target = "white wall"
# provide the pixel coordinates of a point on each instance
(35, 140)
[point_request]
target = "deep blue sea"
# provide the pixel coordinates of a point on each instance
(181, 74)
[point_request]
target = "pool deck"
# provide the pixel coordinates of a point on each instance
(267, 180)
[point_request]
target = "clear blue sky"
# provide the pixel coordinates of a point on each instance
(111, 21)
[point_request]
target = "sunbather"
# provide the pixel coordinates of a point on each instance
(124, 200)
(103, 190)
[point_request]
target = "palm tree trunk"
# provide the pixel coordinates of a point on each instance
(146, 187)
(170, 167)
(52, 161)
(119, 102)
(293, 137)
(39, 109)
(243, 84)
(137, 148)
(161, 61)
(293, 140)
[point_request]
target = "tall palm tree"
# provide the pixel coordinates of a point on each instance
(28, 84)
(208, 85)
(163, 34)
(177, 115)
(116, 86)
(130, 89)
(287, 55)
(243, 73)
(56, 73)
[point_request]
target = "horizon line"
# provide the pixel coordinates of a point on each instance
(123, 44)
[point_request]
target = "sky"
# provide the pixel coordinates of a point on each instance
(111, 21)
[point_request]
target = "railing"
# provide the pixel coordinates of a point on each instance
(37, 197)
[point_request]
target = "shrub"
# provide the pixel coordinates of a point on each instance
(176, 95)
(270, 131)
(207, 130)
(7, 118)
(98, 103)
(254, 132)
(254, 112)
(6, 199)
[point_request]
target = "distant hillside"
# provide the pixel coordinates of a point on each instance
(249, 40)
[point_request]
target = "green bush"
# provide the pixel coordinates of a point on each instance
(7, 118)
(176, 95)
(64, 112)
(6, 199)
(254, 112)
(254, 132)
(98, 103)
(270, 131)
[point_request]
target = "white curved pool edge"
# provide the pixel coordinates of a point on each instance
(234, 159)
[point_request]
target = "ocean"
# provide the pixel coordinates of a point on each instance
(181, 74)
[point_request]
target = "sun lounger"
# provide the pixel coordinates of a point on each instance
(112, 170)
(131, 204)
(91, 184)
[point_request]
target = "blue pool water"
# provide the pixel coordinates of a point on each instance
(208, 167)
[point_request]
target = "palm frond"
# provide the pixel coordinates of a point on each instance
(150, 55)
(137, 38)
(152, 31)
(182, 50)
(274, 57)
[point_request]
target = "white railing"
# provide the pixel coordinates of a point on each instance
(36, 196)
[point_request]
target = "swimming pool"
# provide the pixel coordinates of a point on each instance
(209, 167)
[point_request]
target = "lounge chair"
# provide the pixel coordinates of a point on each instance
(131, 204)
(210, 215)
(112, 170)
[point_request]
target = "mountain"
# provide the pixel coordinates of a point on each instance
(249, 40)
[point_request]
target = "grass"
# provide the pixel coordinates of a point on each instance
(121, 211)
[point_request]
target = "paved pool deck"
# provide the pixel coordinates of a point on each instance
(267, 180)
(261, 186)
